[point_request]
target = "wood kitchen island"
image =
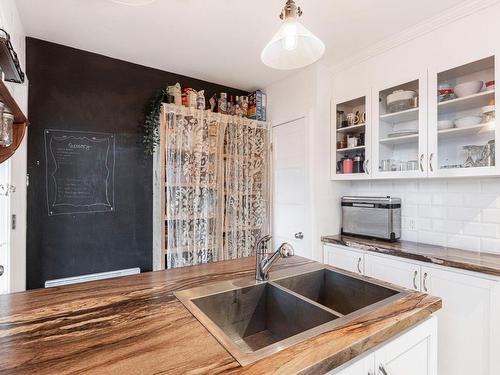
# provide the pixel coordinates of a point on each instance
(135, 325)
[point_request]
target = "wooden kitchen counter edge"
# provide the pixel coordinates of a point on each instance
(135, 325)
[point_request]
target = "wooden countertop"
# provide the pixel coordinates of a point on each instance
(443, 256)
(135, 325)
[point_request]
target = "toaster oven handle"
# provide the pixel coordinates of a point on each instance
(364, 205)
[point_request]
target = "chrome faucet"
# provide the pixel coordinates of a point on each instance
(265, 261)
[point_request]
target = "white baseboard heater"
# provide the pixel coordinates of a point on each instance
(91, 277)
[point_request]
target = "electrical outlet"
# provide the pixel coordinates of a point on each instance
(412, 224)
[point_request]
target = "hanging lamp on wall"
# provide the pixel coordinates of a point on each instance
(293, 46)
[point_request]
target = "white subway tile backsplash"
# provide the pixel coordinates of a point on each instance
(464, 186)
(490, 245)
(464, 214)
(491, 185)
(481, 200)
(491, 215)
(431, 186)
(461, 213)
(415, 198)
(409, 235)
(409, 210)
(447, 199)
(432, 211)
(382, 187)
(424, 224)
(433, 238)
(447, 226)
(481, 229)
(464, 242)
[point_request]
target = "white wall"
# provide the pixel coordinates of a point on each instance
(13, 171)
(462, 213)
(306, 94)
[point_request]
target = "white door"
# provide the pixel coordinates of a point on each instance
(346, 259)
(413, 353)
(399, 137)
(393, 271)
(290, 186)
(464, 322)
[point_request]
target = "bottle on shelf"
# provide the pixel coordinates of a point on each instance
(223, 103)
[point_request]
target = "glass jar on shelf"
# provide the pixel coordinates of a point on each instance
(7, 129)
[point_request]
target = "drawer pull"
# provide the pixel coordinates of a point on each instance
(425, 282)
(415, 280)
(359, 265)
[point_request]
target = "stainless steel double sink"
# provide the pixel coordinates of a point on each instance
(253, 320)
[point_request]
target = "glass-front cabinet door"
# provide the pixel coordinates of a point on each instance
(351, 136)
(400, 129)
(462, 134)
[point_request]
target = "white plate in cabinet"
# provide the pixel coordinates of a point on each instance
(468, 322)
(340, 257)
(397, 272)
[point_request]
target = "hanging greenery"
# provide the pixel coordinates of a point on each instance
(151, 137)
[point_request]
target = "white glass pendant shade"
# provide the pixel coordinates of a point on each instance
(292, 47)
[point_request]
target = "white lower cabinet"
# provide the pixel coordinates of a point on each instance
(347, 259)
(465, 322)
(411, 353)
(397, 272)
(469, 321)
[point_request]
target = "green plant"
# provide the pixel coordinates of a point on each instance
(151, 137)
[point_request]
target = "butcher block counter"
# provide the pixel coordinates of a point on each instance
(135, 325)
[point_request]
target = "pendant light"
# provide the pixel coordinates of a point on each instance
(293, 46)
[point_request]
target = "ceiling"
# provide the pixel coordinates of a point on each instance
(217, 40)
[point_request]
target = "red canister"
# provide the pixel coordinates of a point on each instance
(347, 166)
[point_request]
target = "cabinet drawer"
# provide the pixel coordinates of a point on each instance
(393, 271)
(349, 260)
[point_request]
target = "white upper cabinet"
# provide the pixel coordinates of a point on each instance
(351, 137)
(462, 130)
(438, 121)
(399, 143)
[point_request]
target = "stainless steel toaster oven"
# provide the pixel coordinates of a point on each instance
(376, 217)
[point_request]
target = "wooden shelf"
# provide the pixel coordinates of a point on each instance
(350, 149)
(20, 123)
(470, 130)
(465, 103)
(352, 128)
(401, 116)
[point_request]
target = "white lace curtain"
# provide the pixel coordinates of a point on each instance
(217, 200)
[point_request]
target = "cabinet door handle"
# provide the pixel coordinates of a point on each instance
(421, 162)
(381, 370)
(431, 156)
(359, 265)
(299, 235)
(367, 171)
(424, 281)
(415, 274)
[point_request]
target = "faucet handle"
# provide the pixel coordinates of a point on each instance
(286, 250)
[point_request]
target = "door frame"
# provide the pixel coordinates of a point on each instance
(307, 117)
(5, 246)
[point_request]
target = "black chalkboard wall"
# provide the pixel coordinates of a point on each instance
(89, 97)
